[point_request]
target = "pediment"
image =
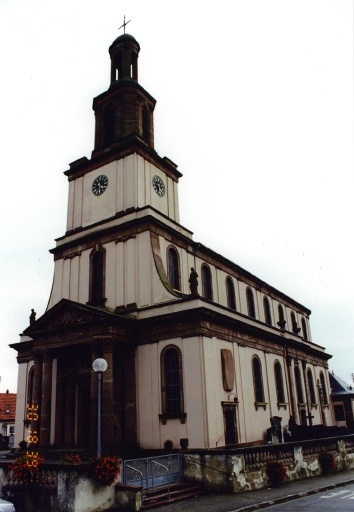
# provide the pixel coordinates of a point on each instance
(64, 314)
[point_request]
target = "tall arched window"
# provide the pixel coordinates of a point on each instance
(266, 307)
(324, 388)
(281, 316)
(279, 384)
(230, 292)
(171, 381)
(206, 283)
(304, 330)
(250, 303)
(311, 386)
(300, 395)
(173, 268)
(257, 380)
(293, 321)
(294, 326)
(97, 277)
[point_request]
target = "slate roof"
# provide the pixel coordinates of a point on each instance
(339, 387)
(7, 403)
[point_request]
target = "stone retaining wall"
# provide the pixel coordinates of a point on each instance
(244, 469)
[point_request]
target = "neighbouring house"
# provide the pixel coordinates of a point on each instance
(342, 396)
(197, 347)
(7, 414)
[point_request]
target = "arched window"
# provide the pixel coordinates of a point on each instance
(97, 277)
(294, 326)
(293, 322)
(311, 386)
(282, 320)
(324, 388)
(230, 292)
(173, 268)
(266, 307)
(300, 395)
(250, 303)
(257, 380)
(206, 283)
(304, 330)
(171, 381)
(279, 384)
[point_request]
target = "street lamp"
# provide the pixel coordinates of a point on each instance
(100, 366)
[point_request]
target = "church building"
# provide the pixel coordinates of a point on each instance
(197, 347)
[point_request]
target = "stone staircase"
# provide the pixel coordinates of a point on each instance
(179, 491)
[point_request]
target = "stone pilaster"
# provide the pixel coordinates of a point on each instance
(34, 409)
(95, 353)
(45, 413)
(107, 395)
(69, 420)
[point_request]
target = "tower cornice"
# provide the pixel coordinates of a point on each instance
(118, 150)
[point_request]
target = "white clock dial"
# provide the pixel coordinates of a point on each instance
(158, 185)
(99, 185)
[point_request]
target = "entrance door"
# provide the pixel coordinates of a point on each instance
(83, 411)
(230, 424)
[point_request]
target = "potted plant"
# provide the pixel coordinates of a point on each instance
(276, 472)
(27, 468)
(327, 461)
(70, 459)
(106, 470)
(168, 445)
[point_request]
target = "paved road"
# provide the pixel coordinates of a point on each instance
(340, 499)
(288, 492)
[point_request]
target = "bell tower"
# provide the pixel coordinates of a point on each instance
(125, 111)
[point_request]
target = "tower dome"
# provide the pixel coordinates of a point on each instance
(124, 53)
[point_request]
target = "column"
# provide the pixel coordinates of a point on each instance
(107, 395)
(34, 408)
(95, 353)
(129, 427)
(293, 408)
(69, 421)
(307, 391)
(60, 402)
(45, 413)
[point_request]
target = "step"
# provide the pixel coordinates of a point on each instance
(159, 495)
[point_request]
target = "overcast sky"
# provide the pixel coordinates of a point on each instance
(254, 104)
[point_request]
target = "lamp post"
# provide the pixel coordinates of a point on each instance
(100, 366)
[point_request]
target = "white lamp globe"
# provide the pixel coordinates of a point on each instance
(100, 365)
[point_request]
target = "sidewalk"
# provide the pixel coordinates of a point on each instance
(255, 500)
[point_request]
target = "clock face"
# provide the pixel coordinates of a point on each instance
(158, 185)
(99, 185)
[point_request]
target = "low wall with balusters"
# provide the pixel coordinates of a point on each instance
(244, 469)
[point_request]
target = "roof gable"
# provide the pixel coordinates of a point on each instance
(67, 313)
(7, 403)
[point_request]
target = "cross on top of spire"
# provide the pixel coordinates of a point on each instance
(124, 24)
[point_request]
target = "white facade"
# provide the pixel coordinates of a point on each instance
(121, 291)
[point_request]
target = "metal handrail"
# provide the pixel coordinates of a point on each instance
(168, 483)
(141, 476)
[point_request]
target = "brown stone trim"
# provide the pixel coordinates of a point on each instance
(195, 248)
(121, 232)
(156, 252)
(119, 150)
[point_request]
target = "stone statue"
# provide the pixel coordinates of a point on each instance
(193, 282)
(32, 317)
(275, 433)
